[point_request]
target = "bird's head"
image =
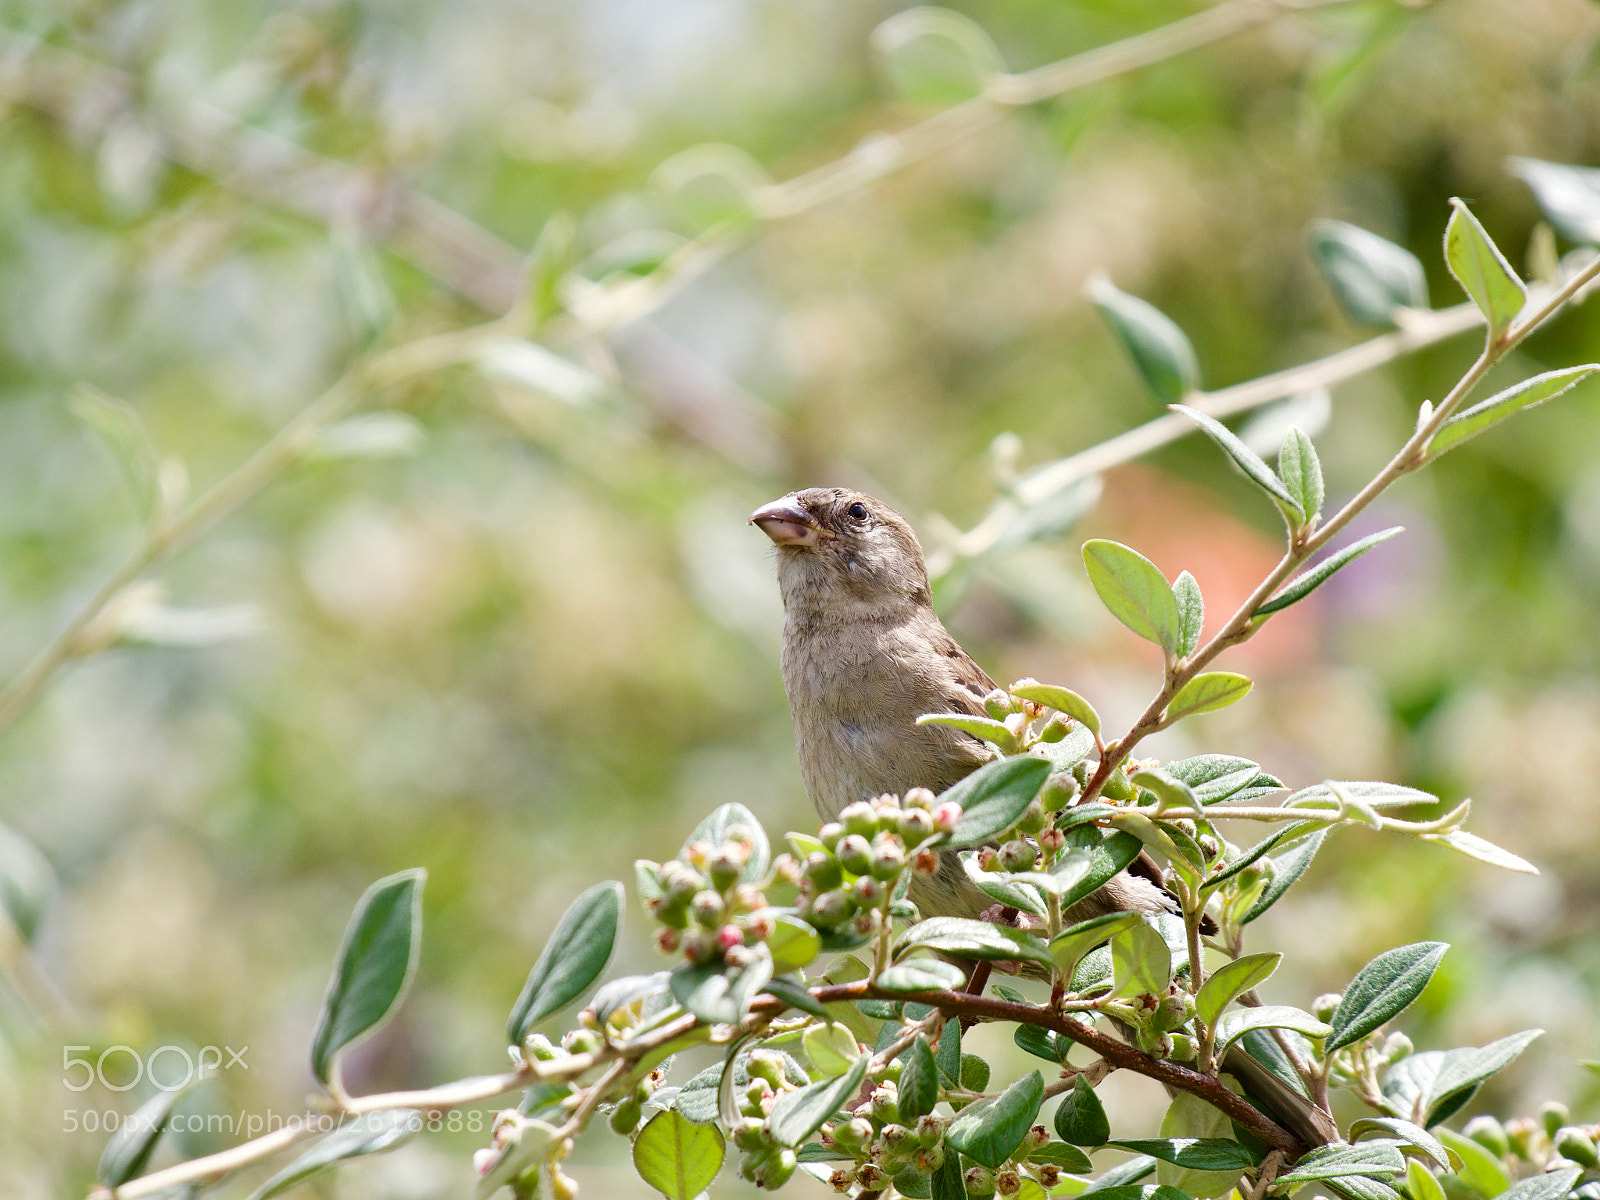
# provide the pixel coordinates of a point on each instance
(834, 541)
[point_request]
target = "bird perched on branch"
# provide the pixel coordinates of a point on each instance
(864, 655)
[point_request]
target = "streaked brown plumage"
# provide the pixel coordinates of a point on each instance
(864, 655)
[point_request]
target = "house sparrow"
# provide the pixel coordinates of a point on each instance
(864, 655)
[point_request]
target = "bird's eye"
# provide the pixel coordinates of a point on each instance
(857, 510)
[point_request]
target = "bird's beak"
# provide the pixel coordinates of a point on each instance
(787, 524)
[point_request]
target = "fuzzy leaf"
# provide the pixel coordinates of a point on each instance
(1191, 612)
(676, 1156)
(1160, 350)
(1081, 1119)
(1530, 393)
(1301, 472)
(922, 975)
(919, 1082)
(1370, 275)
(993, 797)
(1069, 946)
(1304, 584)
(377, 959)
(979, 727)
(1229, 980)
(798, 1114)
(732, 822)
(1247, 460)
(1476, 847)
(964, 938)
(1208, 692)
(572, 959)
(1482, 270)
(369, 1134)
(1569, 196)
(1059, 698)
(1383, 989)
(1135, 591)
(1240, 1021)
(989, 1131)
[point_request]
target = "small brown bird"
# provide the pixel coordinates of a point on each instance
(864, 655)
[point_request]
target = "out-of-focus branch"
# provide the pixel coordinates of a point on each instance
(1421, 329)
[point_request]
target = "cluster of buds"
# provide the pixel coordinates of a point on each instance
(506, 1154)
(1019, 717)
(706, 913)
(1544, 1142)
(981, 1182)
(882, 1146)
(1029, 842)
(762, 1161)
(852, 879)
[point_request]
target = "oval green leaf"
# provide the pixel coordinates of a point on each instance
(794, 944)
(919, 1082)
(979, 727)
(993, 797)
(128, 1152)
(1247, 460)
(1160, 350)
(922, 975)
(1482, 270)
(1207, 693)
(1370, 275)
(377, 959)
(572, 959)
(1235, 1024)
(1228, 981)
(1191, 612)
(964, 938)
(676, 1156)
(1289, 867)
(1301, 472)
(1529, 393)
(735, 821)
(1070, 945)
(1135, 591)
(1383, 989)
(1195, 1154)
(1304, 584)
(1081, 1119)
(989, 1131)
(1059, 698)
(798, 1114)
(1140, 962)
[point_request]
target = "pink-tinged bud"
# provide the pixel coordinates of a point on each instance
(1018, 855)
(725, 863)
(888, 857)
(869, 892)
(748, 897)
(920, 797)
(698, 853)
(871, 1178)
(925, 862)
(989, 859)
(830, 834)
(855, 854)
(697, 946)
(708, 909)
(1052, 840)
(730, 936)
(859, 818)
(483, 1160)
(946, 816)
(867, 922)
(758, 928)
(1015, 723)
(668, 941)
(978, 1180)
(739, 957)
(786, 870)
(886, 805)
(916, 826)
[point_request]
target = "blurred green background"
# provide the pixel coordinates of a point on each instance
(536, 640)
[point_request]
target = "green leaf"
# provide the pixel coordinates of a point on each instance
(1552, 1185)
(1059, 698)
(1197, 1154)
(372, 1133)
(1040, 1043)
(794, 944)
(1247, 460)
(1062, 1156)
(717, 994)
(1200, 1154)
(676, 1156)
(1383, 989)
(948, 1053)
(989, 1131)
(546, 266)
(1361, 1187)
(1301, 472)
(370, 435)
(979, 727)
(1191, 612)
(798, 1114)
(1530, 393)
(948, 1181)
(974, 1072)
(1116, 1180)
(572, 959)
(1304, 584)
(1236, 1023)
(1208, 692)
(1135, 591)
(1160, 350)
(1420, 1183)
(733, 822)
(1480, 1170)
(1289, 867)
(1108, 856)
(1448, 1078)
(1412, 1135)
(1081, 1119)
(992, 798)
(1140, 962)
(1569, 196)
(1367, 793)
(831, 1048)
(922, 975)
(795, 995)
(1229, 980)
(28, 882)
(1330, 1162)
(1484, 851)
(377, 959)
(919, 1082)
(1370, 275)
(119, 425)
(1004, 886)
(1169, 791)
(964, 938)
(1070, 945)
(1482, 270)
(1215, 777)
(128, 1152)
